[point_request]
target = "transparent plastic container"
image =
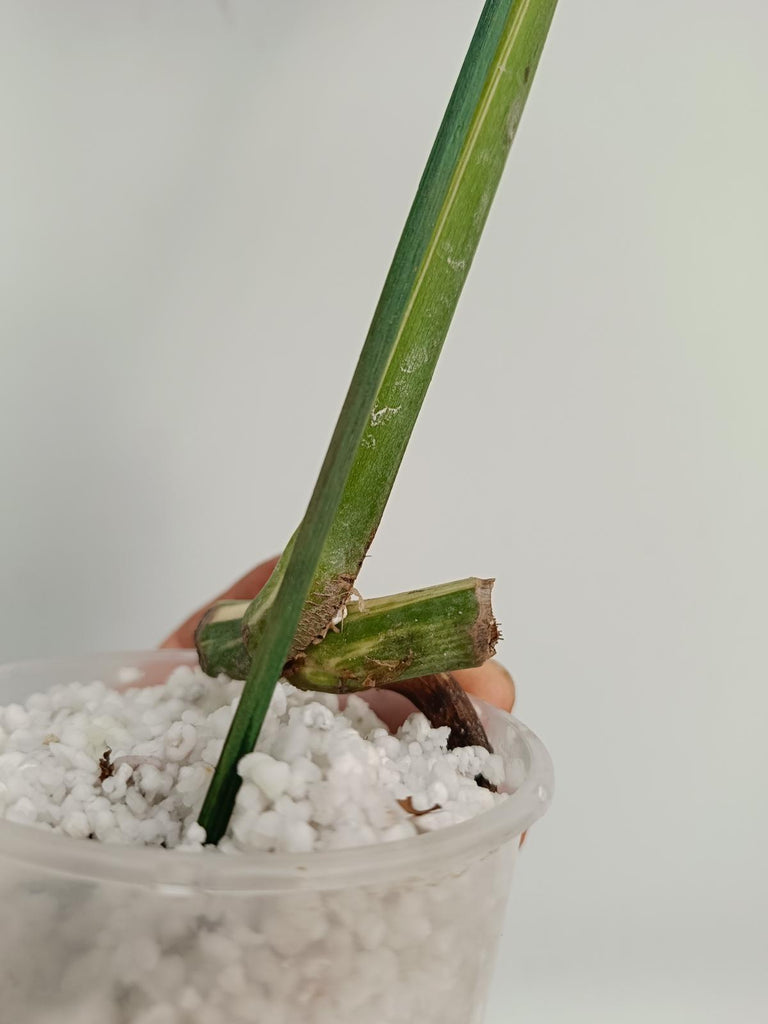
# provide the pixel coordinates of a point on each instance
(399, 933)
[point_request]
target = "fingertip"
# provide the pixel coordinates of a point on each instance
(173, 641)
(249, 585)
(246, 588)
(489, 682)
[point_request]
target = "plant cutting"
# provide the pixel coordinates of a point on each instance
(316, 575)
(373, 864)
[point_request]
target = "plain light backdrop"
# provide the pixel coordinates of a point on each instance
(198, 204)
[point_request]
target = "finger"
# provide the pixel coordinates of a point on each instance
(489, 682)
(245, 588)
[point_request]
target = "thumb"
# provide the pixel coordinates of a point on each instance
(246, 588)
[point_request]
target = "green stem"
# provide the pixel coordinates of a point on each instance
(396, 364)
(379, 642)
(422, 289)
(392, 638)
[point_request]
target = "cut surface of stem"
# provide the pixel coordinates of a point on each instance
(219, 640)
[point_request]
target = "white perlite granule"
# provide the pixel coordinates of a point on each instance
(76, 950)
(320, 778)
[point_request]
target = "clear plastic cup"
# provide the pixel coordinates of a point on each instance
(398, 933)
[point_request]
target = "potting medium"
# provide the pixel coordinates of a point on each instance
(350, 885)
(133, 766)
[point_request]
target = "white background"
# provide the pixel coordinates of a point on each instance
(198, 204)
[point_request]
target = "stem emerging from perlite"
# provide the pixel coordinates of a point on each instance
(317, 572)
(444, 702)
(385, 640)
